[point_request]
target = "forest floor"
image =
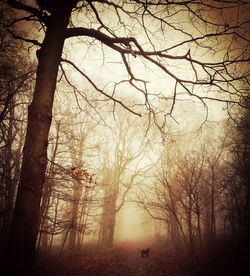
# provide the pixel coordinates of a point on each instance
(118, 261)
(125, 261)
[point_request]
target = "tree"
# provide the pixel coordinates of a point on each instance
(179, 194)
(15, 84)
(119, 171)
(185, 195)
(82, 178)
(213, 33)
(237, 188)
(68, 179)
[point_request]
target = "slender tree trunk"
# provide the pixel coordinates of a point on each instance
(77, 191)
(83, 218)
(9, 179)
(213, 221)
(57, 199)
(199, 226)
(190, 227)
(22, 242)
(65, 237)
(44, 237)
(207, 221)
(43, 222)
(45, 201)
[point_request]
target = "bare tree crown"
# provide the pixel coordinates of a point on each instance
(200, 48)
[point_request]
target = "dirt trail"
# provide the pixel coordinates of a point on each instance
(158, 263)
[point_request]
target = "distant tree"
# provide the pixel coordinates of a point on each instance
(67, 179)
(119, 171)
(16, 79)
(237, 192)
(186, 193)
(212, 47)
(55, 143)
(83, 178)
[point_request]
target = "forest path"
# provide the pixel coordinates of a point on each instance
(158, 263)
(121, 261)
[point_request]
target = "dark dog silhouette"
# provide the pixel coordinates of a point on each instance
(144, 252)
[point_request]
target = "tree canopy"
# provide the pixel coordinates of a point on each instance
(161, 51)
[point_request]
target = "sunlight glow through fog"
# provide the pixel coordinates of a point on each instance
(106, 69)
(133, 225)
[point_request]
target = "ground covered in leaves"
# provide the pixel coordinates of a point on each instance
(120, 261)
(127, 261)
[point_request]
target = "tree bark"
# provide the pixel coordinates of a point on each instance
(108, 220)
(21, 245)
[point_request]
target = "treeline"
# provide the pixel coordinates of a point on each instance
(200, 195)
(16, 84)
(87, 178)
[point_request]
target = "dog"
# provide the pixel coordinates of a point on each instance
(144, 252)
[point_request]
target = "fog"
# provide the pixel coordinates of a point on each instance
(124, 136)
(134, 226)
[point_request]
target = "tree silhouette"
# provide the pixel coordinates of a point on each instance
(196, 49)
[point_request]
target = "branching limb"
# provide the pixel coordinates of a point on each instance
(100, 90)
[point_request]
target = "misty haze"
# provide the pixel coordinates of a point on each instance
(124, 137)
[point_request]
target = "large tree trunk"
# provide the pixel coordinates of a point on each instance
(174, 231)
(21, 246)
(107, 229)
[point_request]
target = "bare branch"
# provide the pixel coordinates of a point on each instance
(100, 90)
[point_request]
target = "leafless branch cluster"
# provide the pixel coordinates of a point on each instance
(199, 47)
